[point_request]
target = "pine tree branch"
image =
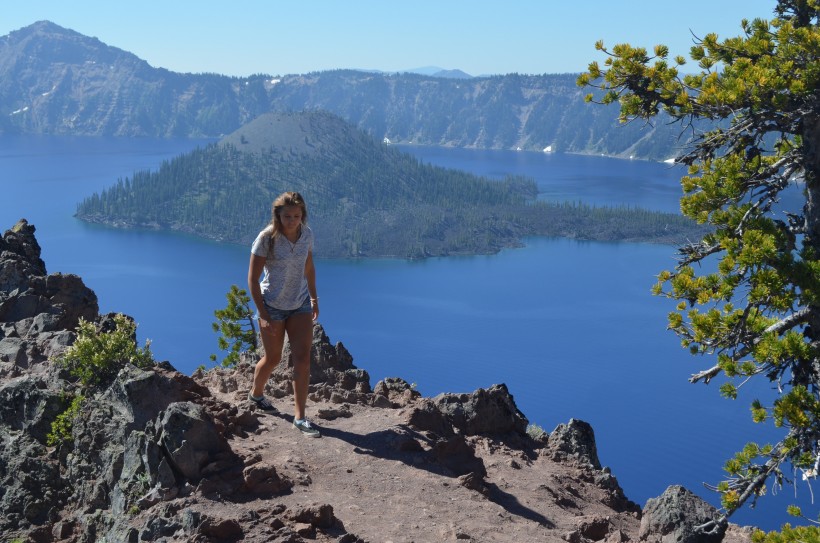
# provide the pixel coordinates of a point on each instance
(787, 323)
(696, 251)
(750, 488)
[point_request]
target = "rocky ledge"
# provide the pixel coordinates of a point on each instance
(156, 455)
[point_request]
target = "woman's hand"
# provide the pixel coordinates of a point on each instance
(264, 323)
(314, 305)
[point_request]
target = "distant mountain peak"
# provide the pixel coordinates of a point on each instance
(453, 74)
(436, 71)
(45, 24)
(51, 34)
(46, 27)
(290, 132)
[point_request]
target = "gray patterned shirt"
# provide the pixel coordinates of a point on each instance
(284, 285)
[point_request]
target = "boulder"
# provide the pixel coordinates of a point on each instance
(31, 482)
(15, 351)
(263, 479)
(397, 391)
(143, 394)
(674, 517)
(574, 440)
(27, 405)
(318, 515)
(484, 412)
(426, 416)
(190, 438)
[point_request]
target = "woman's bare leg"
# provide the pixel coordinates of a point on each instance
(300, 335)
(273, 338)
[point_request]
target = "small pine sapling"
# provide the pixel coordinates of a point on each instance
(235, 325)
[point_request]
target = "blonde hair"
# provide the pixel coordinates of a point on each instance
(282, 201)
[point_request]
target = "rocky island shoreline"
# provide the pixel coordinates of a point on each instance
(156, 455)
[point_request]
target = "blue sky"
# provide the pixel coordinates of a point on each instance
(480, 37)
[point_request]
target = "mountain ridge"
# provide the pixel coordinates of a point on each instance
(101, 90)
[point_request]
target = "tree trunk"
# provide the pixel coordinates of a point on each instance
(811, 153)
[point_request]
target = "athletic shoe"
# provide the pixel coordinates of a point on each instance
(262, 403)
(306, 428)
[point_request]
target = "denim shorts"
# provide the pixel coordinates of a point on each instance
(285, 314)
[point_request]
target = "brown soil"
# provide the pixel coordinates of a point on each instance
(382, 494)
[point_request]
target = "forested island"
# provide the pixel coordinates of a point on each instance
(366, 199)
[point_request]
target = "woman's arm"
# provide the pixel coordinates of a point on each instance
(310, 275)
(255, 268)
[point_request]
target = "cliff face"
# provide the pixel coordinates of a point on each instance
(156, 455)
(57, 81)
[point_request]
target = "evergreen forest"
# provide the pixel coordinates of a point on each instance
(365, 199)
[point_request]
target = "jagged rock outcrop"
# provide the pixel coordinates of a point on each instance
(488, 412)
(395, 392)
(575, 440)
(491, 411)
(155, 455)
(37, 311)
(674, 517)
(150, 436)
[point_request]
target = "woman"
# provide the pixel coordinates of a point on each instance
(286, 300)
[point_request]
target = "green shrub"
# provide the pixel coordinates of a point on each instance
(63, 424)
(96, 357)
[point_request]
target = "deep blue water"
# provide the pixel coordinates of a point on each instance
(569, 326)
(590, 179)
